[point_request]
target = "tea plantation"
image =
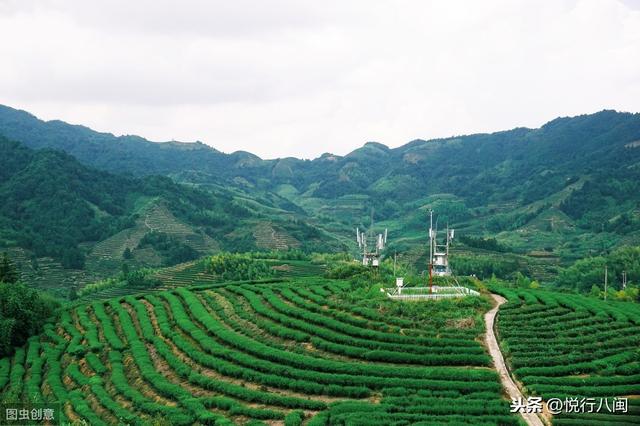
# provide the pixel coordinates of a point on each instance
(252, 353)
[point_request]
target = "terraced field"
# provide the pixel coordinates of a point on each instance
(106, 256)
(287, 352)
(48, 273)
(268, 237)
(570, 346)
(193, 274)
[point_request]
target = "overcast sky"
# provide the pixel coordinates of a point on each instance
(299, 78)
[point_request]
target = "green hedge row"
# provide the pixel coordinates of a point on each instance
(354, 331)
(91, 330)
(332, 341)
(262, 322)
(261, 350)
(77, 399)
(217, 356)
(562, 336)
(433, 347)
(293, 295)
(119, 380)
(35, 363)
(16, 376)
(163, 386)
(275, 361)
(108, 330)
(54, 372)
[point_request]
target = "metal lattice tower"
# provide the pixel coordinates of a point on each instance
(371, 245)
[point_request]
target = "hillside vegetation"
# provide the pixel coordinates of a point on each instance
(569, 346)
(317, 351)
(280, 351)
(549, 196)
(60, 213)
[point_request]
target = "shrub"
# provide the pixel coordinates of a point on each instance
(294, 418)
(236, 267)
(23, 313)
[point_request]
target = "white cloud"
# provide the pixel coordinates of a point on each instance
(287, 77)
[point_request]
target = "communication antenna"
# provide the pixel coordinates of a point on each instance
(395, 259)
(371, 257)
(382, 240)
(605, 282)
(438, 252)
(438, 266)
(431, 239)
(371, 225)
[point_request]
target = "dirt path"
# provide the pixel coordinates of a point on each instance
(494, 350)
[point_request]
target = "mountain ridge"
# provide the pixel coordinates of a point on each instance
(7, 112)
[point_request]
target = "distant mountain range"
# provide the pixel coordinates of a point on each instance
(571, 187)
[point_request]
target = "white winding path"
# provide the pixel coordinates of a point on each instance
(494, 350)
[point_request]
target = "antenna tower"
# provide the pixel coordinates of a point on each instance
(371, 245)
(438, 252)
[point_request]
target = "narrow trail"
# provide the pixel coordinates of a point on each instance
(494, 350)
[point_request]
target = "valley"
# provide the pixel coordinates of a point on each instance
(222, 288)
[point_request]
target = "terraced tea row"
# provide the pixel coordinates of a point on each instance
(570, 346)
(194, 274)
(251, 353)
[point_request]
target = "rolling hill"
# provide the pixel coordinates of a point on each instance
(551, 195)
(311, 351)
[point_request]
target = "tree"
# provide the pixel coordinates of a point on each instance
(522, 281)
(34, 262)
(231, 267)
(127, 254)
(73, 293)
(140, 278)
(73, 258)
(8, 272)
(585, 273)
(23, 312)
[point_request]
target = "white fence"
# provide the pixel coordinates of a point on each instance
(422, 293)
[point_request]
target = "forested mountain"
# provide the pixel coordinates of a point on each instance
(566, 190)
(54, 207)
(51, 203)
(520, 165)
(125, 154)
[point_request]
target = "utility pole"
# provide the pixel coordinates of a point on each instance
(395, 258)
(431, 248)
(605, 282)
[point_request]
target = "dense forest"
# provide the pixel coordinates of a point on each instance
(595, 156)
(51, 202)
(23, 310)
(53, 206)
(521, 164)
